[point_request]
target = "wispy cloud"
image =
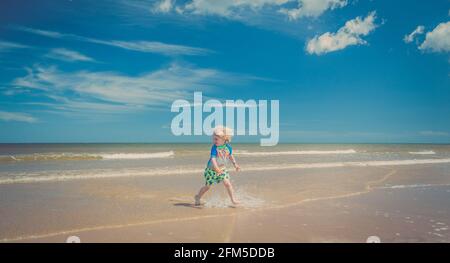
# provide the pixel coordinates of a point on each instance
(154, 47)
(293, 9)
(16, 116)
(348, 35)
(6, 46)
(110, 91)
(139, 45)
(41, 32)
(264, 14)
(418, 31)
(68, 55)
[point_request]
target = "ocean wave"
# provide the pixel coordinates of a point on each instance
(56, 176)
(406, 186)
(423, 152)
(84, 156)
(46, 176)
(306, 152)
(136, 156)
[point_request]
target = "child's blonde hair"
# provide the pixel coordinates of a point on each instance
(224, 133)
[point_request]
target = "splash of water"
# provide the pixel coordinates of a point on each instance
(219, 199)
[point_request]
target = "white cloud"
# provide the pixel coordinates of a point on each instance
(163, 6)
(68, 55)
(312, 8)
(418, 31)
(5, 46)
(227, 8)
(110, 91)
(437, 40)
(348, 35)
(140, 46)
(16, 116)
(234, 9)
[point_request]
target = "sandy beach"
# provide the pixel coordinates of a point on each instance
(407, 203)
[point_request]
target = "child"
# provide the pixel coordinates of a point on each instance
(216, 171)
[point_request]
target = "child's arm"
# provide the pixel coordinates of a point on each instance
(233, 160)
(215, 166)
(213, 160)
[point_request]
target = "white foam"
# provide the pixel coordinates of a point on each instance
(136, 156)
(86, 156)
(423, 152)
(91, 174)
(349, 164)
(218, 200)
(311, 152)
(406, 186)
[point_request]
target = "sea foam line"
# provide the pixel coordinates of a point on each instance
(85, 156)
(309, 152)
(423, 152)
(92, 174)
(406, 186)
(135, 156)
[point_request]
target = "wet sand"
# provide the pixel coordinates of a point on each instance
(343, 204)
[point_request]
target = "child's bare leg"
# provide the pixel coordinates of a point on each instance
(202, 191)
(230, 191)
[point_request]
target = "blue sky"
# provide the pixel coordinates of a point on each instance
(107, 71)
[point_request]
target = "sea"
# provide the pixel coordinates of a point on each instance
(35, 163)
